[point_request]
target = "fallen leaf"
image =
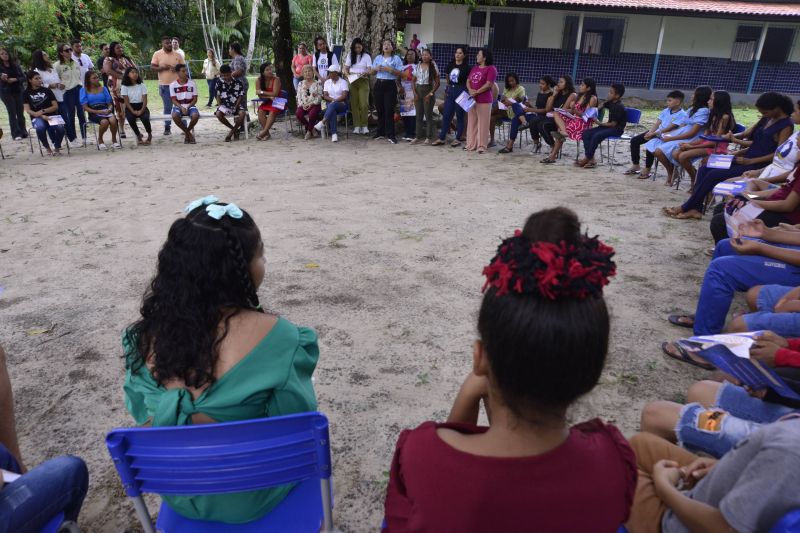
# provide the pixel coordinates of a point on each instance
(312, 265)
(36, 331)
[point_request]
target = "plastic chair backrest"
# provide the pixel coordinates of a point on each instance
(634, 115)
(790, 523)
(739, 128)
(222, 458)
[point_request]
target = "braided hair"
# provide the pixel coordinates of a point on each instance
(202, 280)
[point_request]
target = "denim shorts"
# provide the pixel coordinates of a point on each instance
(189, 112)
(734, 416)
(784, 324)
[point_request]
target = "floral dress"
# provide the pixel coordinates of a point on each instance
(577, 125)
(310, 96)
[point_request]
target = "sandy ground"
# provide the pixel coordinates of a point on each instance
(400, 235)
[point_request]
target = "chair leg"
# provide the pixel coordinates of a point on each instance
(327, 505)
(2, 155)
(143, 515)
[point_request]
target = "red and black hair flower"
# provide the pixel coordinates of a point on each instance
(548, 270)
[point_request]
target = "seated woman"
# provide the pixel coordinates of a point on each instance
(562, 97)
(750, 489)
(579, 117)
(544, 330)
(205, 351)
(686, 129)
(134, 97)
(513, 95)
(40, 103)
(97, 102)
(525, 116)
(770, 132)
(721, 122)
(309, 101)
(268, 86)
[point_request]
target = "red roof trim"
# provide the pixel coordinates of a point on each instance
(728, 7)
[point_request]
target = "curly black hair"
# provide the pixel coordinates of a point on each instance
(202, 280)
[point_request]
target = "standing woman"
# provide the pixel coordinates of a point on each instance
(481, 81)
(386, 69)
(456, 72)
(406, 92)
(11, 82)
(40, 103)
(97, 102)
(211, 72)
(323, 59)
(239, 65)
(69, 72)
(134, 95)
(309, 101)
(268, 86)
(426, 83)
(359, 62)
(299, 62)
(114, 66)
(50, 80)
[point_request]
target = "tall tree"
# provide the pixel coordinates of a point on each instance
(281, 23)
(253, 22)
(373, 21)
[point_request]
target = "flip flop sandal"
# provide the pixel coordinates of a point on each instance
(676, 320)
(643, 176)
(505, 151)
(547, 161)
(631, 172)
(455, 144)
(684, 356)
(590, 165)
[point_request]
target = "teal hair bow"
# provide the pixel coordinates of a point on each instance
(217, 211)
(205, 200)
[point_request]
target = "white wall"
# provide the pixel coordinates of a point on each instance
(699, 36)
(444, 23)
(641, 34)
(548, 28)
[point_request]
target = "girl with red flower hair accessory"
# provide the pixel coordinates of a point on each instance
(544, 330)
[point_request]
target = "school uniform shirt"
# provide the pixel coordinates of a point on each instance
(183, 92)
(785, 159)
(335, 89)
(667, 118)
(478, 77)
(584, 484)
(322, 62)
(84, 63)
(39, 99)
(457, 74)
(616, 113)
(50, 77)
(392, 61)
(134, 92)
(229, 93)
(363, 63)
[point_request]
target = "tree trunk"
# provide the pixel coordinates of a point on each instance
(373, 21)
(253, 20)
(282, 45)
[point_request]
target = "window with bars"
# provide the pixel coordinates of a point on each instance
(601, 36)
(508, 30)
(777, 44)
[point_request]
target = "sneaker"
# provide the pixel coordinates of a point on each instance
(392, 141)
(167, 131)
(334, 138)
(17, 138)
(116, 146)
(365, 130)
(408, 139)
(377, 137)
(357, 130)
(415, 141)
(102, 147)
(318, 125)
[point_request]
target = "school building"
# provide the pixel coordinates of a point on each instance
(741, 46)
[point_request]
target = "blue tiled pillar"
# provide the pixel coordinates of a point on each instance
(575, 59)
(655, 70)
(753, 77)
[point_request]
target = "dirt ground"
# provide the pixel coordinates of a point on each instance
(378, 247)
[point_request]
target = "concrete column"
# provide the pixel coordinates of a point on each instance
(577, 47)
(758, 57)
(658, 54)
(486, 27)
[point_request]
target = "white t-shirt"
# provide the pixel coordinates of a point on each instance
(183, 93)
(84, 63)
(180, 53)
(322, 65)
(134, 92)
(786, 157)
(49, 77)
(363, 63)
(335, 89)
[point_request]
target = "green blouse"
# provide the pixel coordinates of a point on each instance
(273, 379)
(518, 94)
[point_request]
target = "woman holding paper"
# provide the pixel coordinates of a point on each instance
(456, 72)
(577, 116)
(97, 102)
(268, 86)
(562, 97)
(41, 104)
(479, 87)
(356, 71)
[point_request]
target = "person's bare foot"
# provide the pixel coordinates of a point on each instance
(672, 211)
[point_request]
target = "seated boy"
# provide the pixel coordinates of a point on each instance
(614, 126)
(750, 489)
(231, 96)
(672, 113)
(183, 93)
(30, 501)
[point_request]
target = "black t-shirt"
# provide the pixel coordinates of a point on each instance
(12, 71)
(40, 99)
(541, 100)
(616, 113)
(560, 100)
(457, 74)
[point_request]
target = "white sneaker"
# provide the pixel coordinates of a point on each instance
(17, 138)
(357, 130)
(319, 125)
(116, 146)
(334, 138)
(102, 147)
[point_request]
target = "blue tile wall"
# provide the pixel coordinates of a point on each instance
(634, 70)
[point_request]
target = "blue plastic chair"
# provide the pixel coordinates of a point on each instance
(283, 114)
(53, 525)
(634, 117)
(227, 458)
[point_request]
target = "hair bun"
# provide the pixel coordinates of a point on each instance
(548, 270)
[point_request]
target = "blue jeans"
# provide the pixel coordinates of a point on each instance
(729, 273)
(784, 324)
(163, 92)
(451, 108)
(515, 123)
(593, 137)
(708, 178)
(212, 89)
(331, 116)
(55, 486)
(43, 128)
(69, 109)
